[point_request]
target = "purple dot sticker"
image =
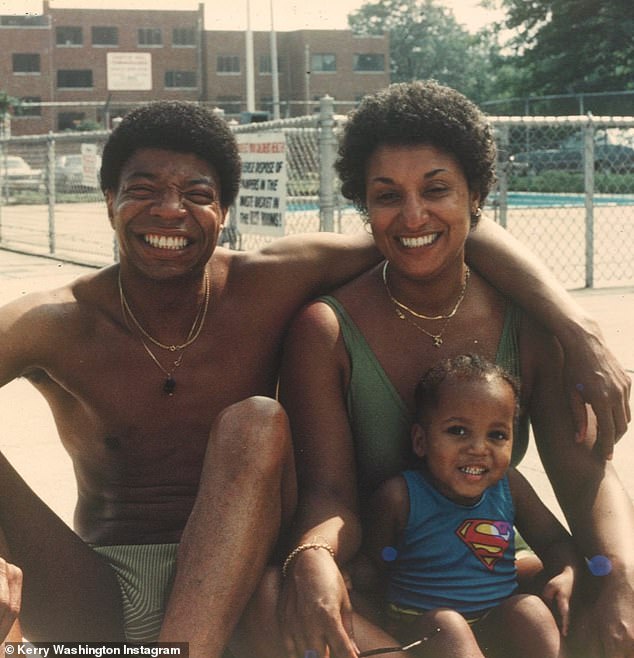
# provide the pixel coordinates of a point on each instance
(389, 554)
(580, 388)
(310, 653)
(599, 565)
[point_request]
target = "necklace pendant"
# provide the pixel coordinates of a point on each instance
(169, 385)
(437, 341)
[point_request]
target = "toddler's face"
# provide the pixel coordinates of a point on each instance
(466, 441)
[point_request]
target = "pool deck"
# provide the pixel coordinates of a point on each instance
(29, 437)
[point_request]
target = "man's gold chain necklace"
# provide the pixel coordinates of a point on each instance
(399, 307)
(169, 385)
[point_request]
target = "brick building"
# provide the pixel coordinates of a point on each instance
(311, 64)
(76, 65)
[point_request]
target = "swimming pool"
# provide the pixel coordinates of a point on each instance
(552, 200)
(514, 200)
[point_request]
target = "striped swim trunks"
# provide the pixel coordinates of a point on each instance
(145, 573)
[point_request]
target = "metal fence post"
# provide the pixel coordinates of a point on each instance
(50, 168)
(2, 184)
(327, 152)
(588, 184)
(502, 135)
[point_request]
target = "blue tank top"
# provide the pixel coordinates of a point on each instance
(451, 555)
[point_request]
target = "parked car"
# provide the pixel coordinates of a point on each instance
(568, 156)
(17, 174)
(71, 174)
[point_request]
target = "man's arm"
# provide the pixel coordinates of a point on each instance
(315, 263)
(598, 510)
(592, 372)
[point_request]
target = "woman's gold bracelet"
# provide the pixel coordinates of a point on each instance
(304, 547)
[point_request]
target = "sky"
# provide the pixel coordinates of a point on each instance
(231, 14)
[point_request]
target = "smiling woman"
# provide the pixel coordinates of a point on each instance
(418, 161)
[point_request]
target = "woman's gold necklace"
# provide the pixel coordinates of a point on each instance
(169, 385)
(399, 307)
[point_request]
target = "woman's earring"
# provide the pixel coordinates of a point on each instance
(475, 215)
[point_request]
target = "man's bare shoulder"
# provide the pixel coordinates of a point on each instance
(38, 328)
(84, 291)
(47, 317)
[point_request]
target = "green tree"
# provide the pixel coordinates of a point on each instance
(8, 104)
(568, 46)
(426, 41)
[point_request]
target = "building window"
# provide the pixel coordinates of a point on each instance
(368, 62)
(105, 36)
(322, 62)
(24, 21)
(33, 111)
(69, 36)
(150, 36)
(184, 79)
(265, 64)
(183, 36)
(26, 63)
(228, 64)
(73, 78)
(70, 120)
(230, 104)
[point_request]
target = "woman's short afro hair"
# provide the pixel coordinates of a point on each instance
(178, 126)
(423, 112)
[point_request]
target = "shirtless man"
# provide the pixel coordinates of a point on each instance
(160, 372)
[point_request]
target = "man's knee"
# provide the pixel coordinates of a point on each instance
(254, 431)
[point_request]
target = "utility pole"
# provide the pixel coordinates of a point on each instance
(249, 63)
(275, 80)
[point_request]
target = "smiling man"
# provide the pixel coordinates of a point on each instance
(161, 373)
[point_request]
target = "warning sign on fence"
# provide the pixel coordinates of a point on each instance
(261, 202)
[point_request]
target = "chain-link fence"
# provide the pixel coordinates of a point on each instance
(50, 199)
(565, 188)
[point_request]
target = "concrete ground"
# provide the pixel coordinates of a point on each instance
(29, 438)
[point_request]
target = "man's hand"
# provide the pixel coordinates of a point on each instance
(594, 376)
(10, 596)
(315, 608)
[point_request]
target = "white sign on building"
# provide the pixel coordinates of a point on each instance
(129, 71)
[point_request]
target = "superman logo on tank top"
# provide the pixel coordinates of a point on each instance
(486, 538)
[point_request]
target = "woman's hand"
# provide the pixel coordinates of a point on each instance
(595, 377)
(315, 608)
